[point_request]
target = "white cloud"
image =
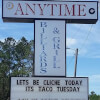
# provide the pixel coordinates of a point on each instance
(71, 46)
(82, 52)
(97, 56)
(95, 78)
(79, 28)
(71, 42)
(94, 83)
(85, 37)
(2, 40)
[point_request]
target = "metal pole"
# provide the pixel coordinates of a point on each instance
(76, 55)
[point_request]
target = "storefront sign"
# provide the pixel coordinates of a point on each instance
(29, 88)
(50, 48)
(72, 11)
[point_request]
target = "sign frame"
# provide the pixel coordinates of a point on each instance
(31, 20)
(65, 67)
(56, 79)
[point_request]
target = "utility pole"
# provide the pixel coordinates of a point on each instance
(76, 55)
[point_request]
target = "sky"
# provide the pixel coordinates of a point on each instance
(85, 37)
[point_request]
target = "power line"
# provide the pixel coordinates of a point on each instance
(86, 37)
(72, 57)
(74, 35)
(71, 60)
(76, 56)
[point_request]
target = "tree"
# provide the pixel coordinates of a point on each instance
(16, 59)
(21, 55)
(5, 67)
(93, 96)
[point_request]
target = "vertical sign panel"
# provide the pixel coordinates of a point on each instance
(49, 48)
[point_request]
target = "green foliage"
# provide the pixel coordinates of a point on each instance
(94, 96)
(16, 59)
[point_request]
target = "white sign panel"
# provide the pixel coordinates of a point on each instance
(50, 10)
(50, 48)
(25, 88)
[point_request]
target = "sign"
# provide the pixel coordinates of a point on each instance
(71, 11)
(29, 88)
(50, 48)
